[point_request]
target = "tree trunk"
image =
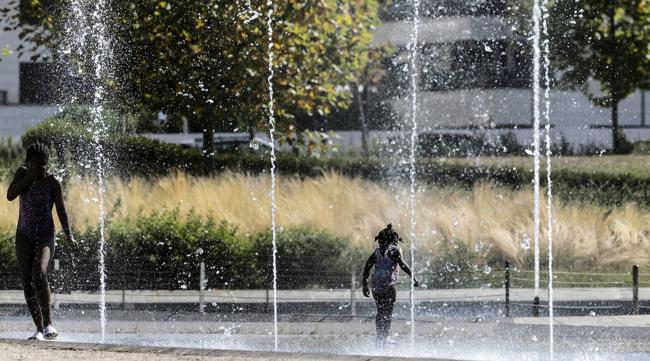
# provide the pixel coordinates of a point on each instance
(208, 122)
(251, 131)
(364, 124)
(616, 146)
(186, 125)
(613, 89)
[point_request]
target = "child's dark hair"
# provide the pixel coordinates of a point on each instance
(388, 235)
(38, 151)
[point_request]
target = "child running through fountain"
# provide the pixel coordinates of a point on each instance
(385, 258)
(39, 190)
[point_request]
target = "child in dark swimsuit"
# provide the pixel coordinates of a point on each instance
(39, 191)
(385, 258)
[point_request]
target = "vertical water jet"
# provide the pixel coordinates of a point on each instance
(86, 32)
(549, 181)
(536, 137)
(413, 149)
(99, 58)
(271, 121)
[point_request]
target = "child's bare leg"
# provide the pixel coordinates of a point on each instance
(385, 301)
(25, 258)
(42, 260)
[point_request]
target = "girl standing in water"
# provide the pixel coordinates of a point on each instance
(39, 191)
(385, 259)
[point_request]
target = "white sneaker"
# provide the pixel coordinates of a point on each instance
(50, 333)
(38, 336)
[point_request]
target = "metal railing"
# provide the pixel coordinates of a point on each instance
(203, 285)
(581, 282)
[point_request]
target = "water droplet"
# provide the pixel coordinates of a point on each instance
(478, 246)
(525, 242)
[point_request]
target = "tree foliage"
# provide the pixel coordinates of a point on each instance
(599, 47)
(607, 41)
(208, 59)
(603, 40)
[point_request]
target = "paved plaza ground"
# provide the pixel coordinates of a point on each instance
(592, 325)
(18, 351)
(576, 338)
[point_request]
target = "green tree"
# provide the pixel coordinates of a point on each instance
(606, 41)
(207, 59)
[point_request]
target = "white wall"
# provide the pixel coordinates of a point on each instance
(495, 107)
(16, 119)
(10, 65)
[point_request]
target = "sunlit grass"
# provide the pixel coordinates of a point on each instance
(490, 221)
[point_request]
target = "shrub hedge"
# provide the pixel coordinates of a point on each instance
(131, 155)
(11, 156)
(69, 134)
(163, 251)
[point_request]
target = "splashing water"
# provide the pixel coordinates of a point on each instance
(75, 41)
(549, 183)
(253, 14)
(88, 31)
(271, 104)
(414, 134)
(536, 135)
(99, 58)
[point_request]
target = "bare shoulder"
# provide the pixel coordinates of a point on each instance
(53, 180)
(21, 171)
(395, 252)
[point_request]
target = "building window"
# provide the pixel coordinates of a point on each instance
(473, 64)
(401, 10)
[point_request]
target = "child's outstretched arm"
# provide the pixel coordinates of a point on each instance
(396, 254)
(21, 180)
(61, 212)
(366, 273)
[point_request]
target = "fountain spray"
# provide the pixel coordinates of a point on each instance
(414, 134)
(271, 105)
(549, 183)
(99, 58)
(536, 137)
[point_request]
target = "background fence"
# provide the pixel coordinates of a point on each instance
(206, 286)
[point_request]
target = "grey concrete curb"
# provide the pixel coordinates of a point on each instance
(80, 346)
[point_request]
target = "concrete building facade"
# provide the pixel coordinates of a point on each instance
(21, 105)
(474, 75)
